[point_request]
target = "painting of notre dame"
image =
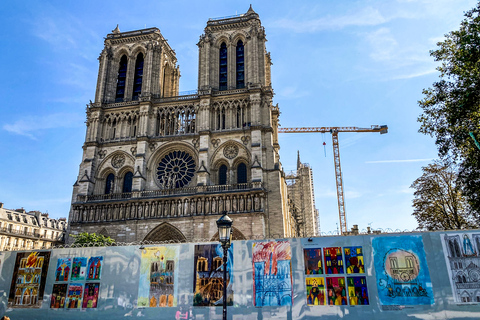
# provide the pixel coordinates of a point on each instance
(28, 281)
(208, 275)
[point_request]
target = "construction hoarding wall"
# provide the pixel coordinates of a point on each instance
(394, 276)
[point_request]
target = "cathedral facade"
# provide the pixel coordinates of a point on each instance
(161, 166)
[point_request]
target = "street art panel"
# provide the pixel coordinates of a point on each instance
(462, 256)
(90, 295)
(28, 280)
(357, 291)
(272, 274)
(74, 296)
(158, 284)
(315, 291)
(64, 266)
(313, 261)
(79, 268)
(336, 291)
(94, 268)
(59, 295)
(401, 271)
(354, 260)
(333, 260)
(208, 275)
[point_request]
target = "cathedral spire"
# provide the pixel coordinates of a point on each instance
(298, 159)
(250, 10)
(116, 30)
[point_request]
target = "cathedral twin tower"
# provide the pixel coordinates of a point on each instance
(158, 166)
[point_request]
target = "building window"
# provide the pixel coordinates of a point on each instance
(137, 80)
(121, 78)
(223, 67)
(176, 170)
(240, 65)
(242, 173)
(127, 182)
(222, 175)
(109, 183)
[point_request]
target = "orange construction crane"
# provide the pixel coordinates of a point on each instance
(336, 157)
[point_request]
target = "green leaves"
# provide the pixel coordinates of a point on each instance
(93, 239)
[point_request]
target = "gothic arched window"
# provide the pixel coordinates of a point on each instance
(222, 175)
(109, 184)
(240, 70)
(127, 182)
(137, 80)
(242, 173)
(121, 77)
(223, 67)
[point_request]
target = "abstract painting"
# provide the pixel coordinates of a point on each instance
(357, 291)
(272, 274)
(74, 296)
(79, 268)
(64, 266)
(208, 275)
(28, 280)
(158, 284)
(90, 295)
(94, 268)
(59, 295)
(401, 270)
(313, 261)
(354, 260)
(336, 291)
(315, 291)
(333, 260)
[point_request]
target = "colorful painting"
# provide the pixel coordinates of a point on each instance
(208, 275)
(90, 295)
(59, 295)
(79, 268)
(64, 266)
(333, 260)
(402, 271)
(158, 284)
(313, 261)
(272, 274)
(354, 260)
(94, 268)
(74, 296)
(357, 291)
(315, 291)
(28, 280)
(336, 291)
(462, 255)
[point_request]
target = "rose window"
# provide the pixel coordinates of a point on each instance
(175, 170)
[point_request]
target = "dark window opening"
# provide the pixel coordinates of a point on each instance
(109, 184)
(137, 80)
(240, 75)
(121, 78)
(127, 182)
(223, 67)
(222, 175)
(242, 173)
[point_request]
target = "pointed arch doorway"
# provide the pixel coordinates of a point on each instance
(165, 232)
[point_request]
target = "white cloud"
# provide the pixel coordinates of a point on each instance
(400, 161)
(28, 126)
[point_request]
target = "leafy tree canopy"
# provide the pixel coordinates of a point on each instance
(451, 107)
(93, 238)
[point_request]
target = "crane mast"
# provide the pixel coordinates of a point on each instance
(336, 158)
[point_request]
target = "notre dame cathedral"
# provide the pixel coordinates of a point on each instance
(161, 166)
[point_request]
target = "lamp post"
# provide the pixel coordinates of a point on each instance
(224, 225)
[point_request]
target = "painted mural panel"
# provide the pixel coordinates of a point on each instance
(64, 266)
(357, 291)
(90, 295)
(94, 268)
(79, 268)
(272, 274)
(315, 291)
(158, 284)
(333, 260)
(208, 275)
(401, 270)
(74, 296)
(336, 291)
(354, 260)
(28, 280)
(313, 261)
(462, 255)
(59, 295)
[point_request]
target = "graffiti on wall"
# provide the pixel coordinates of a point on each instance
(28, 280)
(208, 275)
(462, 255)
(272, 274)
(158, 284)
(401, 270)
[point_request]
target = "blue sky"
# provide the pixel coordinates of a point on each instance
(335, 63)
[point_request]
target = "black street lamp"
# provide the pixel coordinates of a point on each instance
(224, 225)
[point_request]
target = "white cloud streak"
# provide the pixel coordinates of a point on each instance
(400, 161)
(30, 125)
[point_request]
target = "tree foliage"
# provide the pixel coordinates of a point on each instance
(93, 238)
(438, 202)
(451, 107)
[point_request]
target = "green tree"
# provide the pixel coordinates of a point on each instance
(451, 107)
(438, 202)
(93, 238)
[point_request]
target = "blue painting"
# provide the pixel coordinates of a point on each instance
(94, 268)
(402, 271)
(79, 268)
